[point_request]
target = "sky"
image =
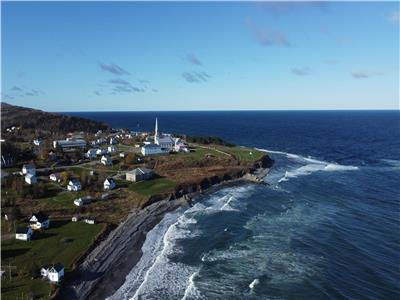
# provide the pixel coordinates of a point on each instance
(129, 56)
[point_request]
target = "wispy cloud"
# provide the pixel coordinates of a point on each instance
(360, 74)
(267, 36)
(394, 17)
(196, 77)
(191, 58)
(16, 89)
(302, 71)
(97, 93)
(113, 68)
(121, 85)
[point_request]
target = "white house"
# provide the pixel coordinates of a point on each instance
(74, 185)
(139, 174)
(55, 177)
(122, 154)
(151, 149)
(101, 152)
(91, 153)
(180, 146)
(82, 201)
(54, 273)
(89, 220)
(113, 141)
(30, 178)
(23, 233)
(106, 160)
(37, 142)
(111, 149)
(69, 144)
(29, 169)
(39, 221)
(109, 184)
(75, 218)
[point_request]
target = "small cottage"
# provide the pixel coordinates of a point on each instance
(55, 177)
(139, 174)
(23, 233)
(91, 153)
(54, 273)
(82, 201)
(111, 149)
(74, 185)
(29, 169)
(75, 218)
(89, 220)
(39, 221)
(106, 160)
(109, 184)
(30, 178)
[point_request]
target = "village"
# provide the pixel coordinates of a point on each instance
(81, 187)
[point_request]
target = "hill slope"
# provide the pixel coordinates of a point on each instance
(28, 118)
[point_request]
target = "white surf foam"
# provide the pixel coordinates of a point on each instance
(254, 283)
(310, 165)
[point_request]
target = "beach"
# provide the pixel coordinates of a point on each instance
(105, 268)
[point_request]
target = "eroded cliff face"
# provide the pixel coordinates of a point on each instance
(200, 185)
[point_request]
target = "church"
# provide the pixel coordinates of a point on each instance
(166, 142)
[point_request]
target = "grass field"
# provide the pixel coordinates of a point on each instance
(242, 153)
(152, 187)
(62, 200)
(64, 242)
(198, 153)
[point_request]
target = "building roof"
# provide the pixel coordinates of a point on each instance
(165, 139)
(110, 180)
(29, 175)
(57, 267)
(140, 171)
(151, 146)
(41, 217)
(29, 166)
(22, 230)
(74, 182)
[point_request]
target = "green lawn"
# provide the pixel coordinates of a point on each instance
(64, 242)
(64, 199)
(242, 153)
(199, 153)
(152, 187)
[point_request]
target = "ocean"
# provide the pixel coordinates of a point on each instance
(326, 227)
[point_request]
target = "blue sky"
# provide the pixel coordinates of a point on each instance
(101, 56)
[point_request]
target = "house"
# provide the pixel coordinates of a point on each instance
(37, 142)
(6, 160)
(23, 233)
(52, 155)
(39, 221)
(139, 174)
(180, 146)
(106, 160)
(82, 201)
(30, 178)
(55, 177)
(89, 220)
(101, 152)
(75, 218)
(91, 153)
(151, 149)
(74, 185)
(29, 169)
(105, 196)
(111, 149)
(123, 154)
(92, 172)
(113, 141)
(69, 144)
(54, 273)
(109, 184)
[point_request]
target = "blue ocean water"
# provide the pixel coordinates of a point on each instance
(327, 226)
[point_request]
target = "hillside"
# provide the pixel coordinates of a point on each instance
(28, 118)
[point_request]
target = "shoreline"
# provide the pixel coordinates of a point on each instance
(105, 268)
